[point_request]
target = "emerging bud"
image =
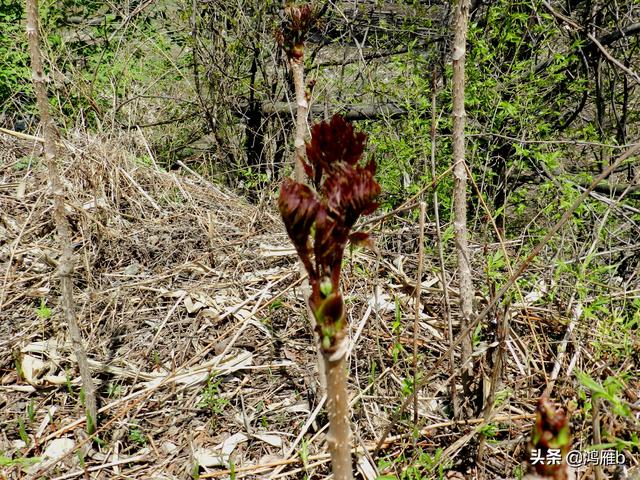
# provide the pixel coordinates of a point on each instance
(329, 311)
(551, 432)
(347, 191)
(298, 20)
(333, 143)
(329, 315)
(325, 287)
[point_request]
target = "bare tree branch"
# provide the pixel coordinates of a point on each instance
(610, 38)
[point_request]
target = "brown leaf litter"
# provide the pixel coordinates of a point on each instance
(189, 303)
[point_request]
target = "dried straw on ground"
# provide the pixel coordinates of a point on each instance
(197, 334)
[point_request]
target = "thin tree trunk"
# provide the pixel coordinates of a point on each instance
(66, 265)
(460, 197)
(302, 109)
(443, 271)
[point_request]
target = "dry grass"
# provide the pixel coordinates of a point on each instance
(197, 334)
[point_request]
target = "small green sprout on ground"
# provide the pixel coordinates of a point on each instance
(43, 311)
(22, 431)
(212, 399)
(137, 436)
(20, 461)
(31, 411)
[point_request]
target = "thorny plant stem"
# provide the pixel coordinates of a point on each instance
(460, 199)
(339, 437)
(319, 222)
(65, 266)
(334, 151)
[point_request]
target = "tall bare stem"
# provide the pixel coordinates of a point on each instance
(66, 264)
(339, 438)
(460, 196)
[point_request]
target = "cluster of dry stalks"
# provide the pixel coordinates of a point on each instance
(178, 280)
(162, 262)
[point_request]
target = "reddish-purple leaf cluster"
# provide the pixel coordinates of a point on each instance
(341, 191)
(332, 145)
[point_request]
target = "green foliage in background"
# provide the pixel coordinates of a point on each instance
(423, 465)
(15, 69)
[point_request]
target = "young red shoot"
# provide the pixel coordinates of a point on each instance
(551, 433)
(319, 219)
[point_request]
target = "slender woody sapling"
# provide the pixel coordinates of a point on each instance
(295, 25)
